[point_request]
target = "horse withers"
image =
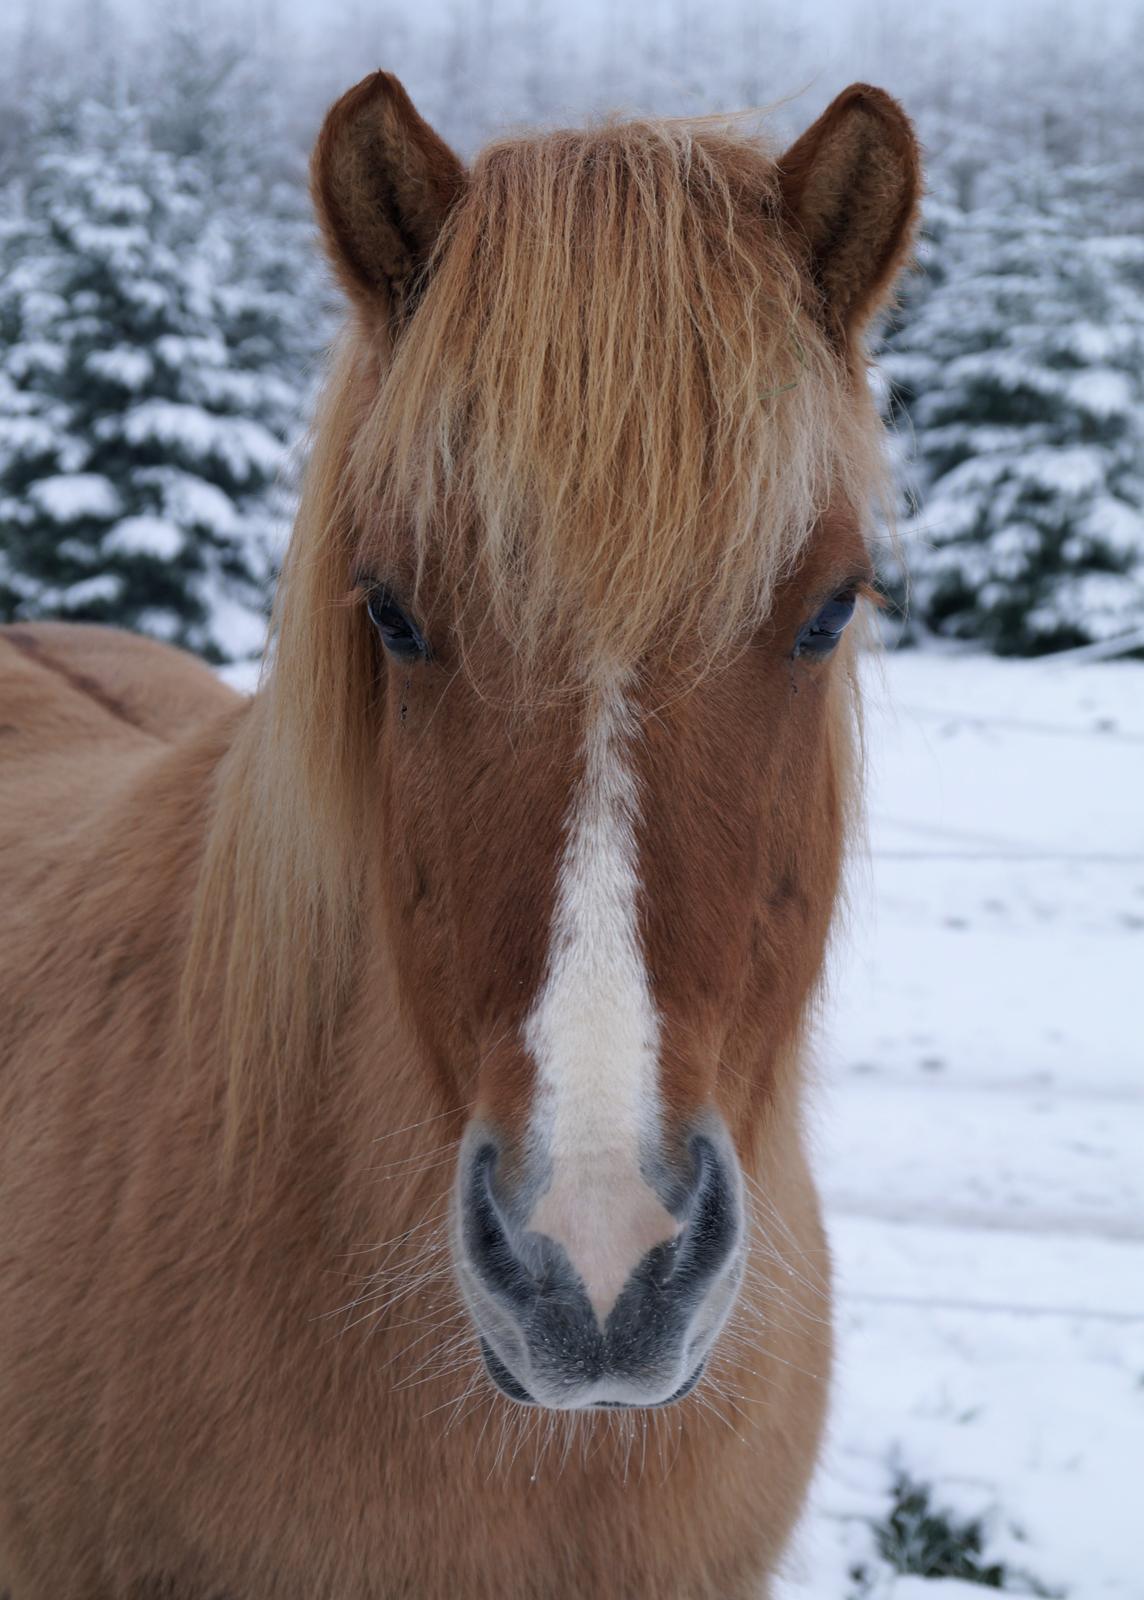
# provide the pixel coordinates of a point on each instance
(403, 1187)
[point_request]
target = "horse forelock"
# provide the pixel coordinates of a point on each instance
(615, 419)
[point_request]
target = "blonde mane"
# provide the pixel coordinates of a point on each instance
(613, 422)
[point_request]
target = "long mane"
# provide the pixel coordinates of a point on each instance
(613, 410)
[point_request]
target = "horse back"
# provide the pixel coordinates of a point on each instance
(53, 673)
(83, 709)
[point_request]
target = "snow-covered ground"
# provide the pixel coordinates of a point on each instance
(981, 1131)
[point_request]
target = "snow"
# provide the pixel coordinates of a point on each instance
(944, 1589)
(242, 675)
(104, 589)
(192, 502)
(71, 497)
(1106, 606)
(1102, 391)
(122, 199)
(979, 1127)
(160, 624)
(130, 368)
(145, 536)
(1119, 526)
(242, 627)
(29, 438)
(32, 356)
(245, 447)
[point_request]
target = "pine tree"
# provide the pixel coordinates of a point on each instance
(1017, 367)
(145, 356)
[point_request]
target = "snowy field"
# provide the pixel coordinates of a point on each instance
(981, 1133)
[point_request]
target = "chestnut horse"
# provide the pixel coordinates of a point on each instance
(402, 1173)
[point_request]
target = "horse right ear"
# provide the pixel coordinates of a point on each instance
(383, 184)
(852, 184)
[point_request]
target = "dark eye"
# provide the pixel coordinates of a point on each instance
(823, 632)
(400, 636)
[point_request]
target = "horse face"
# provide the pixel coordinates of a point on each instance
(608, 917)
(608, 383)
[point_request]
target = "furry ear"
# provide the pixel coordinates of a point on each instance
(383, 183)
(852, 184)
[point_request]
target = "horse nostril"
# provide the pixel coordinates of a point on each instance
(487, 1238)
(663, 1261)
(712, 1228)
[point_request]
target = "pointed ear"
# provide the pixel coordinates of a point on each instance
(852, 185)
(383, 183)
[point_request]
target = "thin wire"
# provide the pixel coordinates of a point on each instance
(998, 1307)
(1052, 730)
(1111, 858)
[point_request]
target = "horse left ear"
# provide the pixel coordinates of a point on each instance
(383, 184)
(852, 184)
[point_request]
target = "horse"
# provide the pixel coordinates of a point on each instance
(403, 1161)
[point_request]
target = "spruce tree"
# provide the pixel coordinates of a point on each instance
(145, 393)
(1017, 373)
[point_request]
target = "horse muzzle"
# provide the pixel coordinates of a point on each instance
(549, 1333)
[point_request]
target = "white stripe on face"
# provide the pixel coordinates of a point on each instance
(594, 1031)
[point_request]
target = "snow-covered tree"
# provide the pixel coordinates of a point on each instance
(146, 357)
(1017, 373)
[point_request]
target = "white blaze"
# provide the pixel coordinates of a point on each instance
(594, 1031)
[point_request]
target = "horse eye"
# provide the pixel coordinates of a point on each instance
(822, 633)
(400, 636)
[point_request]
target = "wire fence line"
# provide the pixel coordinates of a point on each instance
(1102, 650)
(996, 1307)
(1112, 858)
(1058, 730)
(966, 844)
(1123, 644)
